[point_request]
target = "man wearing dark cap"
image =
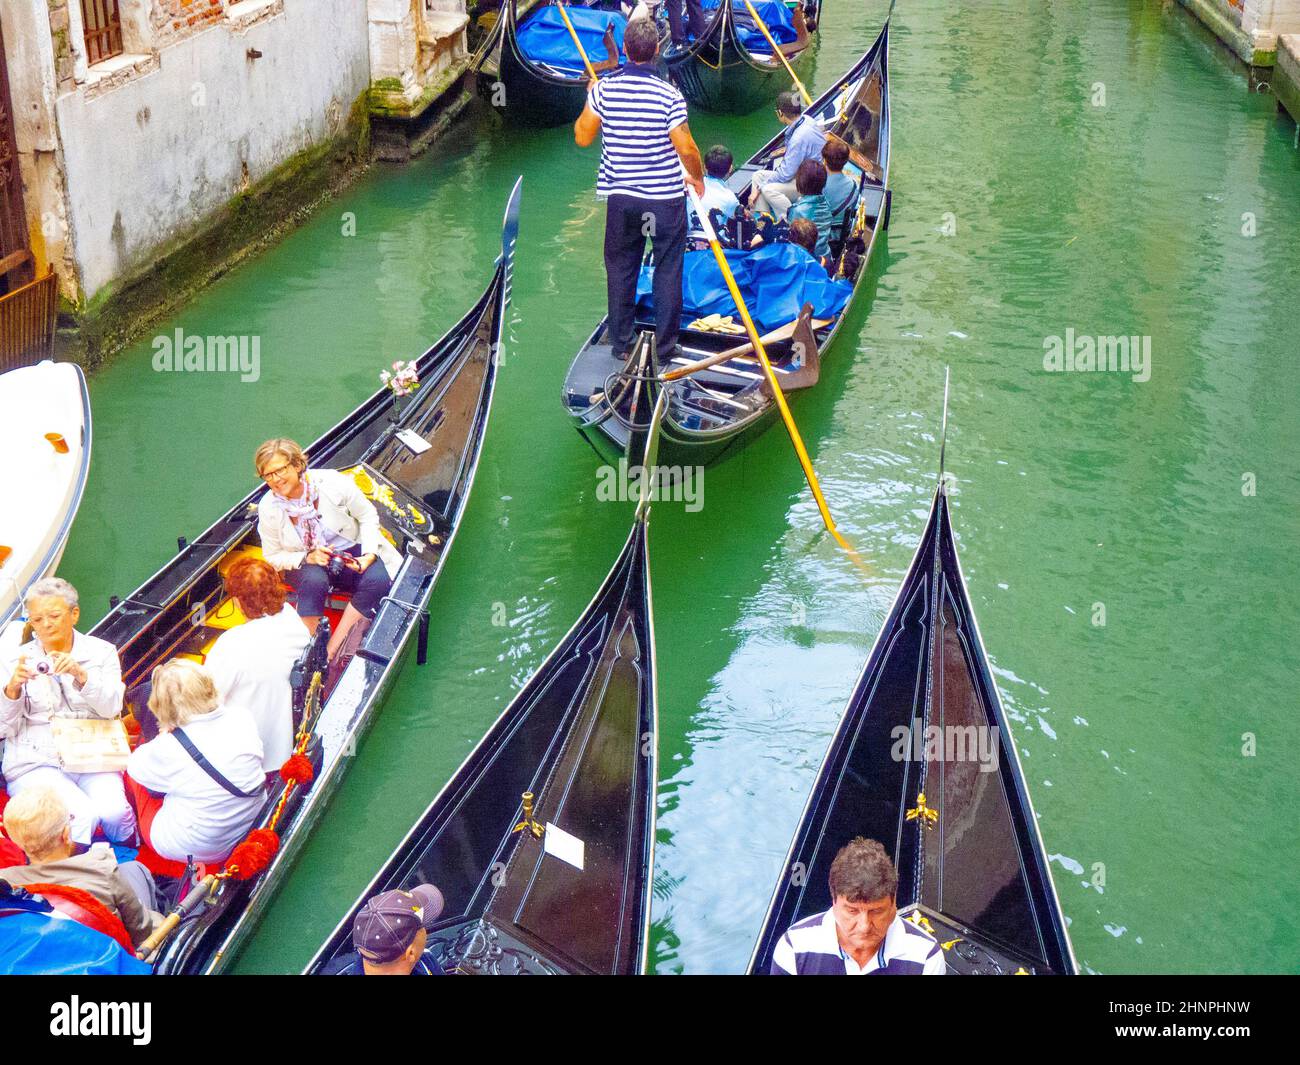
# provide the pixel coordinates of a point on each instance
(389, 936)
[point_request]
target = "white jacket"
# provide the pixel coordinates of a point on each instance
(342, 507)
(199, 817)
(250, 665)
(25, 721)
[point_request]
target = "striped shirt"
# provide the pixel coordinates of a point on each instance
(637, 110)
(811, 947)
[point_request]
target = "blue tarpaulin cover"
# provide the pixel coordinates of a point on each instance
(34, 941)
(775, 280)
(775, 15)
(544, 38)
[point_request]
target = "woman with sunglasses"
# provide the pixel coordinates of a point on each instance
(311, 517)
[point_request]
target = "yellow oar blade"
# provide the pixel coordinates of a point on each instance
(772, 381)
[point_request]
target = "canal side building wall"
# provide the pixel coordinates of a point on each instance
(1249, 27)
(215, 126)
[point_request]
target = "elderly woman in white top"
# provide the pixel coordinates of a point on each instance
(62, 673)
(251, 663)
(312, 517)
(198, 786)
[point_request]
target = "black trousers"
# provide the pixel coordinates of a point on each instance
(696, 20)
(628, 221)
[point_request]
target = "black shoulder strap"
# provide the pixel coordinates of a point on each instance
(208, 767)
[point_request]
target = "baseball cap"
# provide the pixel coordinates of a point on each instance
(388, 923)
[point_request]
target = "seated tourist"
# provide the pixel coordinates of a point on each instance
(812, 205)
(861, 932)
(803, 232)
(197, 788)
(717, 168)
(773, 190)
(841, 188)
(250, 663)
(62, 673)
(310, 517)
(38, 821)
(389, 936)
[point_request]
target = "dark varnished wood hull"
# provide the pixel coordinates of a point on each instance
(458, 377)
(717, 74)
(521, 91)
(979, 874)
(580, 736)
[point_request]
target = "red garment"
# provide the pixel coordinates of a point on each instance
(10, 853)
(146, 805)
(85, 909)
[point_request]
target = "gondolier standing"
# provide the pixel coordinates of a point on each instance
(645, 145)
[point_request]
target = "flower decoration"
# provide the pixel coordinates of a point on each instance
(402, 380)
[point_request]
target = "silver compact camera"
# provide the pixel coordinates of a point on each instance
(43, 666)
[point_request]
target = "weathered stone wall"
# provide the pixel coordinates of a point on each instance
(149, 159)
(1286, 75)
(1249, 27)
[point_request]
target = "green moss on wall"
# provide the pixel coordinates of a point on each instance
(119, 312)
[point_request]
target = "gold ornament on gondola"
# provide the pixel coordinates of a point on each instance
(533, 826)
(921, 921)
(927, 815)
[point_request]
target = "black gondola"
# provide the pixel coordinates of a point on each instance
(525, 91)
(971, 865)
(718, 73)
(715, 411)
(571, 758)
(421, 497)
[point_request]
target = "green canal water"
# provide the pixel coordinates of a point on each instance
(1025, 205)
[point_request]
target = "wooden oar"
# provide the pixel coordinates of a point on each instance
(857, 157)
(564, 14)
(770, 374)
(782, 333)
(185, 906)
(778, 53)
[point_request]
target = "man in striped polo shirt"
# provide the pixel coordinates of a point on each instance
(862, 933)
(644, 146)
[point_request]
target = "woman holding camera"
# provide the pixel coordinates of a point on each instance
(322, 533)
(62, 673)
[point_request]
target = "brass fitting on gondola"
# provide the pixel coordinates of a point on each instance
(535, 827)
(927, 815)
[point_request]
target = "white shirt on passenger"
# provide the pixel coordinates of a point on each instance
(199, 817)
(25, 721)
(717, 193)
(250, 665)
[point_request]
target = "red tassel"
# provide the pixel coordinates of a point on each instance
(297, 768)
(254, 854)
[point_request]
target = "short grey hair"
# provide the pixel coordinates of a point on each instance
(51, 586)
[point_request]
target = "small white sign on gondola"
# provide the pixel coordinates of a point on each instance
(566, 847)
(413, 441)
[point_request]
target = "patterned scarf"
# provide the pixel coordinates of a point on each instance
(303, 512)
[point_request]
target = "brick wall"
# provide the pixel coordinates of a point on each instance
(173, 20)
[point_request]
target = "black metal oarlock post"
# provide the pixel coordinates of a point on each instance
(422, 640)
